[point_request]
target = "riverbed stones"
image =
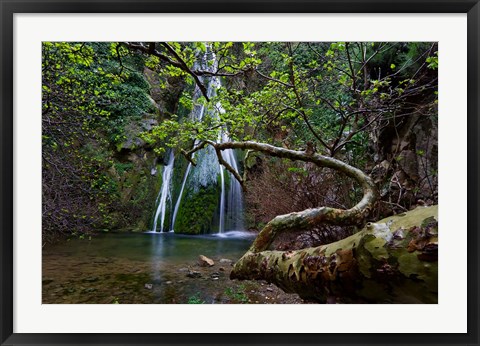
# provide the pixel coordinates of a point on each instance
(226, 261)
(204, 261)
(148, 286)
(194, 274)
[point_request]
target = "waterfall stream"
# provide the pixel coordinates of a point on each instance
(205, 173)
(165, 194)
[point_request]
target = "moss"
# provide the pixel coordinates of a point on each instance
(198, 211)
(135, 191)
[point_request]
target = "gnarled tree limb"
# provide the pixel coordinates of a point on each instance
(310, 217)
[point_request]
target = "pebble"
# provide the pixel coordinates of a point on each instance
(88, 290)
(194, 274)
(148, 286)
(168, 282)
(269, 289)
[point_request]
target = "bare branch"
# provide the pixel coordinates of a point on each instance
(178, 62)
(228, 166)
(184, 67)
(273, 79)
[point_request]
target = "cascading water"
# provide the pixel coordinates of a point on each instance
(205, 172)
(233, 211)
(165, 194)
(231, 201)
(196, 114)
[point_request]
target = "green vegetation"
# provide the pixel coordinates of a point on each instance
(195, 300)
(112, 110)
(237, 294)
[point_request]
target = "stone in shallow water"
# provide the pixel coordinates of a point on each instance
(194, 274)
(204, 261)
(89, 290)
(148, 286)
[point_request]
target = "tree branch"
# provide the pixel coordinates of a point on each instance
(228, 166)
(179, 62)
(310, 217)
(184, 67)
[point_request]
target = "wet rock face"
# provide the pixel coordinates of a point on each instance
(407, 163)
(164, 92)
(198, 210)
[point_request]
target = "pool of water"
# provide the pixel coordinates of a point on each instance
(157, 247)
(140, 268)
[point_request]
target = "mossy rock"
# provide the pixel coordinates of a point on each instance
(197, 212)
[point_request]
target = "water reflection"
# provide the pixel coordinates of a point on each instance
(140, 268)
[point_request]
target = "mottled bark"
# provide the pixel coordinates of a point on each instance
(392, 261)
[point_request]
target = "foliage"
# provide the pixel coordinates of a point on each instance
(195, 299)
(87, 98)
(352, 100)
(360, 102)
(237, 294)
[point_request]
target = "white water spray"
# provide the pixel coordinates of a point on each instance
(164, 195)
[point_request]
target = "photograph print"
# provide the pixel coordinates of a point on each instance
(239, 172)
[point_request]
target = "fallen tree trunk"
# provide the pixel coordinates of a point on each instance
(392, 261)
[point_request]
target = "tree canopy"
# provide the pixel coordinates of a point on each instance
(359, 102)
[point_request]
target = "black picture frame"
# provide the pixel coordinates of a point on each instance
(9, 7)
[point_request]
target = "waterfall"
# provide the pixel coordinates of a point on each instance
(206, 171)
(164, 194)
(196, 114)
(221, 221)
(231, 212)
(234, 208)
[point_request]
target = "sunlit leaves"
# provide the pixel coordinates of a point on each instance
(432, 61)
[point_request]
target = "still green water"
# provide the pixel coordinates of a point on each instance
(141, 268)
(158, 247)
